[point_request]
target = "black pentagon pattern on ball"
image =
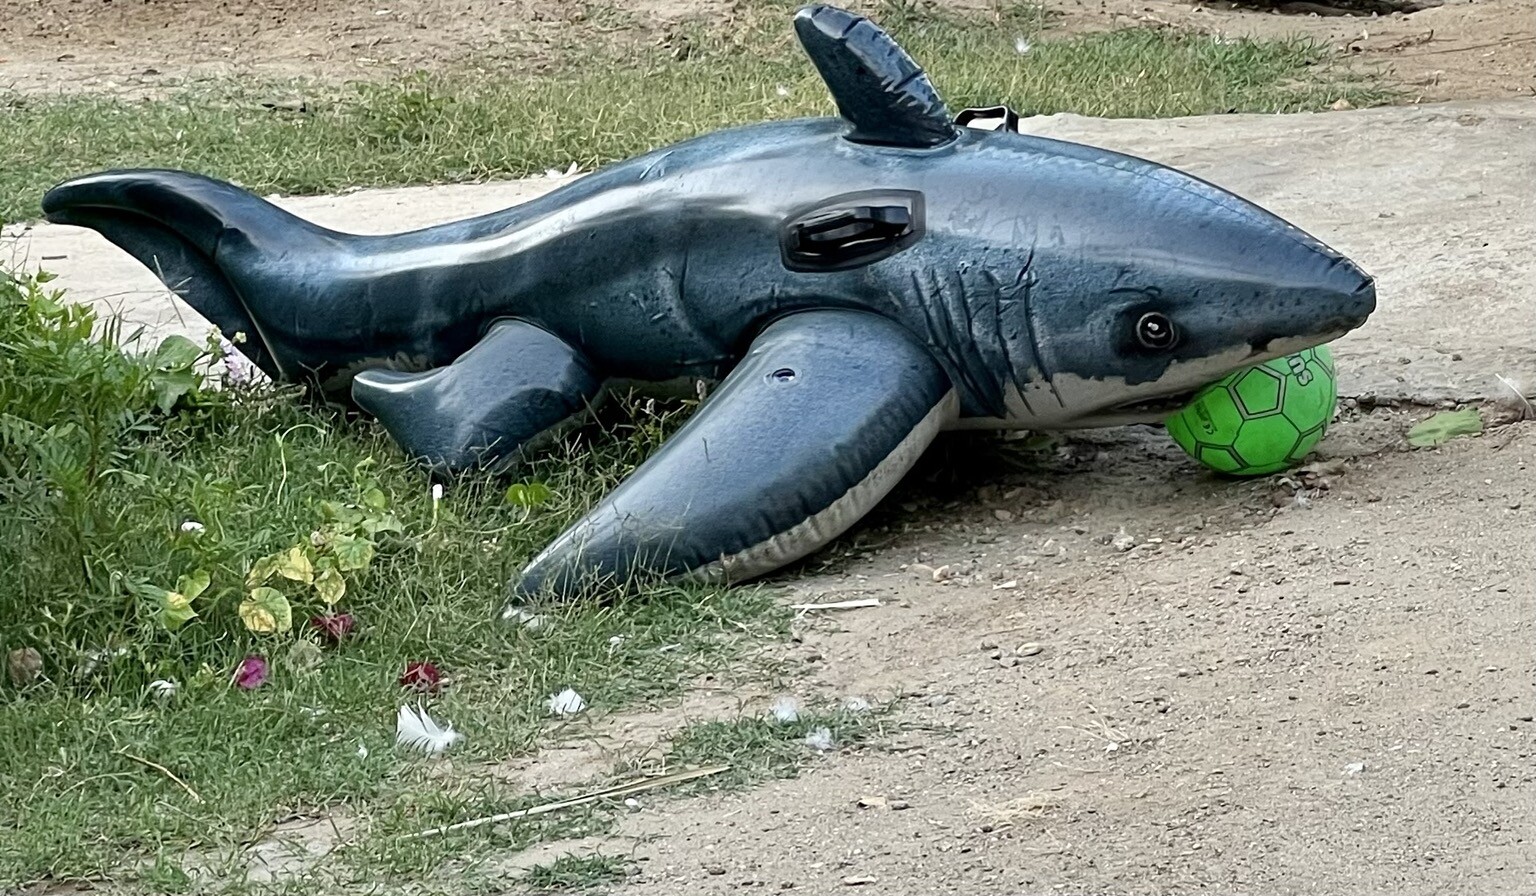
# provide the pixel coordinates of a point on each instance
(1259, 392)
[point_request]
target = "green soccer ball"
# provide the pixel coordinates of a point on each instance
(1263, 419)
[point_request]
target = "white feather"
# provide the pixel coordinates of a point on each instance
(416, 730)
(566, 703)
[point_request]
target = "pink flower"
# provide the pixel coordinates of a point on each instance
(251, 673)
(422, 677)
(333, 626)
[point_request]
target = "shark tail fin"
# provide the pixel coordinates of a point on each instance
(174, 223)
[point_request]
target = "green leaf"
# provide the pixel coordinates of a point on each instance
(374, 499)
(170, 386)
(173, 609)
(528, 494)
(194, 585)
(385, 523)
(330, 586)
(295, 566)
(351, 552)
(176, 611)
(266, 611)
(176, 352)
(341, 514)
(1445, 426)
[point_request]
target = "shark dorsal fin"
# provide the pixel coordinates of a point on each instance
(882, 93)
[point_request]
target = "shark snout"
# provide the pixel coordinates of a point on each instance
(1339, 301)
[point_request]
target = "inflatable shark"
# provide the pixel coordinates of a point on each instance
(854, 285)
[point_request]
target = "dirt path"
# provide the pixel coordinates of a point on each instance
(1333, 697)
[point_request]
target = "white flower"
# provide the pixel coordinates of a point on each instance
(362, 750)
(566, 703)
(193, 526)
(437, 491)
(1021, 45)
(416, 730)
(162, 687)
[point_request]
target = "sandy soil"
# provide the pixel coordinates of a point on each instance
(1307, 684)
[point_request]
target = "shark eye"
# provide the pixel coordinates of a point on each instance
(1155, 331)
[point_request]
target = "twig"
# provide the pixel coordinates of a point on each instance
(164, 771)
(638, 786)
(839, 605)
(1497, 43)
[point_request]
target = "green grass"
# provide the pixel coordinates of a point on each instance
(571, 872)
(760, 748)
(103, 455)
(461, 124)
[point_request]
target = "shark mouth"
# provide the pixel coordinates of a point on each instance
(1160, 406)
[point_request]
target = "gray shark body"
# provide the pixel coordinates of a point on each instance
(855, 284)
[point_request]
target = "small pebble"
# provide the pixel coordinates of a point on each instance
(1029, 648)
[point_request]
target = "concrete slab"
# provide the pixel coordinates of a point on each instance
(1439, 201)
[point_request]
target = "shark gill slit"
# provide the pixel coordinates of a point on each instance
(1009, 362)
(946, 304)
(1029, 328)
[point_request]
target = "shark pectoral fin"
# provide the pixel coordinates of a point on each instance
(878, 88)
(515, 384)
(820, 420)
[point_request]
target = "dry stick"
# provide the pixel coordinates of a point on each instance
(1496, 43)
(639, 786)
(164, 771)
(839, 605)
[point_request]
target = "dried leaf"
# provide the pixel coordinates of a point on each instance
(24, 666)
(266, 611)
(304, 656)
(330, 586)
(261, 570)
(333, 627)
(295, 566)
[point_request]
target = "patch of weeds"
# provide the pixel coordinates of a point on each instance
(606, 100)
(573, 872)
(131, 734)
(760, 748)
